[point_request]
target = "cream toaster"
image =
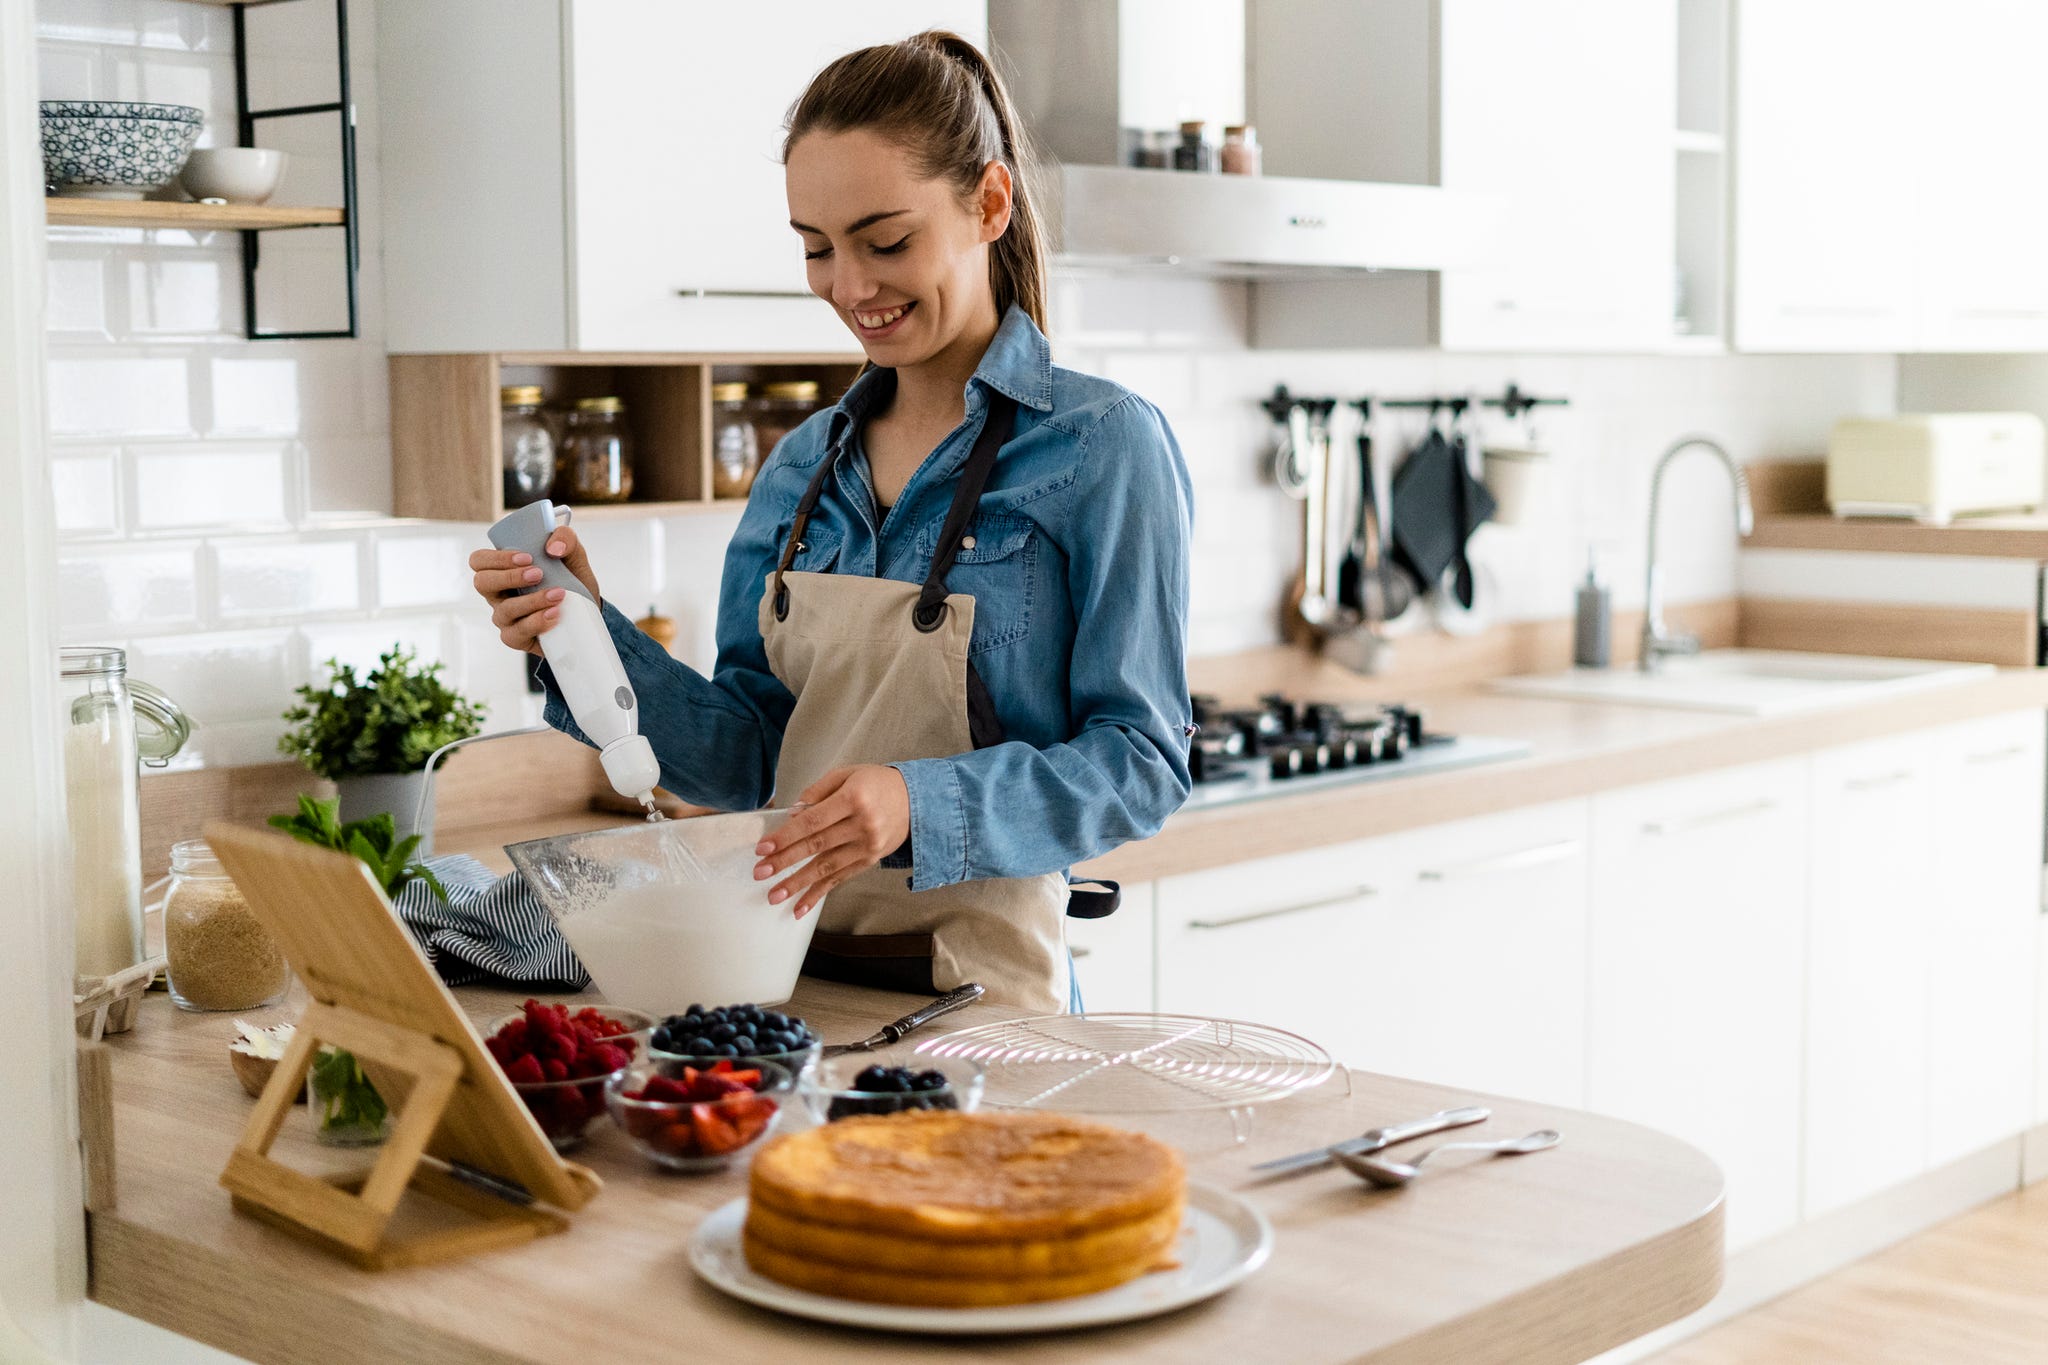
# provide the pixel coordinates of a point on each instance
(1936, 466)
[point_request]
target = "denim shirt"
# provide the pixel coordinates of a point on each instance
(1079, 574)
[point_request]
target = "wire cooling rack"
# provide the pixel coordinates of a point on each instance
(1138, 1063)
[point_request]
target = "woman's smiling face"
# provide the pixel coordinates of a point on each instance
(902, 259)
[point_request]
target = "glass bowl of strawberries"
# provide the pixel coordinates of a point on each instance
(559, 1061)
(697, 1118)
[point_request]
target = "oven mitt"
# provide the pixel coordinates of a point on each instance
(1429, 488)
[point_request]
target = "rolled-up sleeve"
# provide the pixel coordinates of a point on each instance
(1018, 810)
(717, 738)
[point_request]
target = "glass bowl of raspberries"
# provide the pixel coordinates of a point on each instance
(691, 1118)
(745, 1034)
(559, 1060)
(855, 1084)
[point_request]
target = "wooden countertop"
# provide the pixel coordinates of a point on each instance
(1547, 1258)
(1577, 748)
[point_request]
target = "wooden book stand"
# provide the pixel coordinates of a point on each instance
(461, 1129)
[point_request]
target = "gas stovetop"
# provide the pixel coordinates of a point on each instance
(1282, 746)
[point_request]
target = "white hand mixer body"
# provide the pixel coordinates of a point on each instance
(585, 662)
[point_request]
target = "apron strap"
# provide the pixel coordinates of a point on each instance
(995, 429)
(804, 507)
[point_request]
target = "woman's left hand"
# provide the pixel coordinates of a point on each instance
(852, 818)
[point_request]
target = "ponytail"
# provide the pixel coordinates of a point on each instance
(939, 97)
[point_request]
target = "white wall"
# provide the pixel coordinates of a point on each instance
(224, 504)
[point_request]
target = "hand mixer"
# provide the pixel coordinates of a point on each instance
(585, 661)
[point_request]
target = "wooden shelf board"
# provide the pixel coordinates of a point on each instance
(715, 359)
(148, 213)
(2004, 537)
(607, 511)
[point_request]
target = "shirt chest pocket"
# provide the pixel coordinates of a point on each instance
(818, 551)
(996, 565)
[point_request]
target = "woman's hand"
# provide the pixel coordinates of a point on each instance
(852, 818)
(522, 619)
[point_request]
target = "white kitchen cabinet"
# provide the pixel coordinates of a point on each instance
(1887, 170)
(605, 175)
(1698, 967)
(1113, 957)
(1979, 930)
(1454, 954)
(1874, 887)
(1563, 112)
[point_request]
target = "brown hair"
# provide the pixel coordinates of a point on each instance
(937, 96)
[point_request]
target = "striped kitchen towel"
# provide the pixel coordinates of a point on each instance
(490, 931)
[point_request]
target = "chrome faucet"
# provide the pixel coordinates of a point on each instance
(1659, 642)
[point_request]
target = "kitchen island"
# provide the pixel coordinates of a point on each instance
(1548, 1258)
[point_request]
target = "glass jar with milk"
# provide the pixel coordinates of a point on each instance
(110, 725)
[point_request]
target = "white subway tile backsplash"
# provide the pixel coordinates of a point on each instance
(88, 491)
(68, 71)
(427, 569)
(227, 676)
(255, 394)
(78, 300)
(287, 578)
(348, 478)
(117, 590)
(181, 294)
(176, 78)
(159, 24)
(431, 639)
(177, 487)
(102, 394)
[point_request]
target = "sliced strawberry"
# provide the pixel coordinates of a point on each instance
(664, 1088)
(715, 1134)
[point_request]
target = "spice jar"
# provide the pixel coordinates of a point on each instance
(786, 406)
(220, 955)
(735, 446)
(1194, 152)
(528, 445)
(1241, 154)
(597, 452)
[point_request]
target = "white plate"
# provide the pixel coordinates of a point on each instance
(1222, 1240)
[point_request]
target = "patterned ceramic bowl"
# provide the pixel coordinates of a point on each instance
(114, 149)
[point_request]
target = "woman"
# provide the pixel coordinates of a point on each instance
(953, 618)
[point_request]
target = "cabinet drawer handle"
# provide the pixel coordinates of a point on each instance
(1714, 817)
(1871, 784)
(1540, 856)
(2009, 751)
(1323, 904)
(689, 293)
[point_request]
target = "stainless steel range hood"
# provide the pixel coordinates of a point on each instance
(1066, 62)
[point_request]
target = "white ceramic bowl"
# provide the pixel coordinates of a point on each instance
(233, 175)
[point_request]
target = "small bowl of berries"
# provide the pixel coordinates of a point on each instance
(853, 1084)
(744, 1034)
(689, 1118)
(559, 1061)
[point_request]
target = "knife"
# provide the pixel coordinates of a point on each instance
(1373, 1139)
(916, 1019)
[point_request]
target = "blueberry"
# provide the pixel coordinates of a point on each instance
(929, 1080)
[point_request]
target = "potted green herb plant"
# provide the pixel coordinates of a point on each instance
(372, 736)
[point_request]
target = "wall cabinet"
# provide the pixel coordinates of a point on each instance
(1888, 163)
(1698, 963)
(605, 175)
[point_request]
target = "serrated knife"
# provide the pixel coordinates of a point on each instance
(1373, 1139)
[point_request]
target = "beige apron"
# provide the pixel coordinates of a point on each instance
(880, 673)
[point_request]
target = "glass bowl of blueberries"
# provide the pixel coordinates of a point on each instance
(745, 1033)
(856, 1083)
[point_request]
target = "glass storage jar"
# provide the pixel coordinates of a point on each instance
(597, 452)
(783, 408)
(735, 446)
(219, 955)
(528, 445)
(1194, 151)
(1240, 154)
(111, 722)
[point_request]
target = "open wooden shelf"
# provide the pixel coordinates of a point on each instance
(445, 448)
(1790, 498)
(150, 213)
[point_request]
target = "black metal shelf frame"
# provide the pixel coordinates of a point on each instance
(343, 107)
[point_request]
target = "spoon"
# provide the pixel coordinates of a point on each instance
(1388, 1174)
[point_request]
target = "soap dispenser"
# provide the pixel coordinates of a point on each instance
(1592, 626)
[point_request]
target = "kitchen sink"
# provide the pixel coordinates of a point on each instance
(1748, 682)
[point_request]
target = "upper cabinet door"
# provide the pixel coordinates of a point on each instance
(1824, 231)
(681, 222)
(1984, 191)
(1566, 109)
